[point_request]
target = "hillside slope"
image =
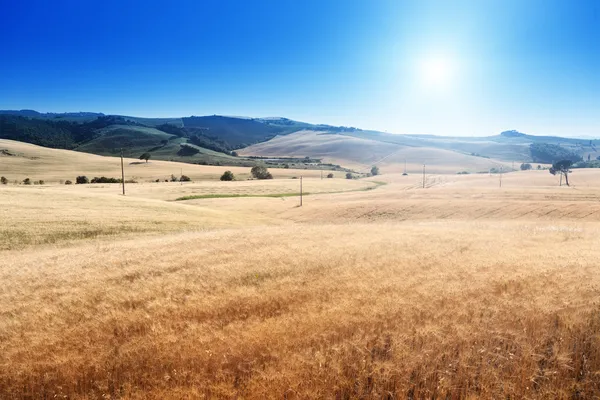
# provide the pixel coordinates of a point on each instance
(361, 154)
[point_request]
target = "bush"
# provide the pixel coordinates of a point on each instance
(82, 180)
(185, 178)
(330, 175)
(525, 167)
(227, 176)
(68, 182)
(173, 178)
(375, 170)
(3, 180)
(104, 179)
(41, 182)
(26, 181)
(349, 175)
(260, 172)
(234, 153)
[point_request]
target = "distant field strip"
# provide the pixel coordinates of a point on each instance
(287, 194)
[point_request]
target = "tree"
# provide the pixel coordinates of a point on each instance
(68, 182)
(227, 176)
(82, 179)
(26, 181)
(3, 180)
(185, 178)
(349, 175)
(539, 166)
(234, 153)
(260, 172)
(562, 168)
(525, 167)
(145, 156)
(330, 175)
(375, 170)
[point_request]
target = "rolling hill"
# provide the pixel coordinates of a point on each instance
(213, 139)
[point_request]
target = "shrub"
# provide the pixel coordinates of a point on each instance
(349, 175)
(3, 180)
(173, 178)
(104, 179)
(26, 181)
(227, 176)
(525, 167)
(375, 170)
(158, 180)
(185, 178)
(81, 180)
(68, 182)
(330, 175)
(260, 172)
(234, 153)
(41, 182)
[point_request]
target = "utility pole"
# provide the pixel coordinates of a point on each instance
(122, 172)
(321, 174)
(423, 176)
(300, 191)
(501, 176)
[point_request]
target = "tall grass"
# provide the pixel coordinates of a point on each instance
(387, 310)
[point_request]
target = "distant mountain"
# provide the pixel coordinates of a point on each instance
(212, 139)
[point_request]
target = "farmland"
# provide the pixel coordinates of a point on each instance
(461, 289)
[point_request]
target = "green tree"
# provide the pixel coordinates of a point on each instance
(227, 176)
(525, 166)
(349, 175)
(260, 172)
(145, 156)
(82, 179)
(562, 168)
(26, 181)
(375, 170)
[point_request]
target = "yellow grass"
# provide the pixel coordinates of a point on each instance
(53, 165)
(460, 290)
(362, 154)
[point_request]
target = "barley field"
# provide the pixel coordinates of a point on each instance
(459, 290)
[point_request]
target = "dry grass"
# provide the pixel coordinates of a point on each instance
(397, 292)
(52, 166)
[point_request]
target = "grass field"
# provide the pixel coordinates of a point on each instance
(361, 154)
(53, 166)
(459, 290)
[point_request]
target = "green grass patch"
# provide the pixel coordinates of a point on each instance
(276, 195)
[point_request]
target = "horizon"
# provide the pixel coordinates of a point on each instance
(415, 68)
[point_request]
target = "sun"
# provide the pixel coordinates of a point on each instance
(437, 72)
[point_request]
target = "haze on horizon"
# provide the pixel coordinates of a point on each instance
(465, 68)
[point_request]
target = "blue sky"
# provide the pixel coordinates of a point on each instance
(430, 67)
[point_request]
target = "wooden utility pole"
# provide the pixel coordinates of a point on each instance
(500, 176)
(423, 176)
(300, 191)
(122, 172)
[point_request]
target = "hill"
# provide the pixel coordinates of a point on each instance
(213, 139)
(361, 153)
(23, 160)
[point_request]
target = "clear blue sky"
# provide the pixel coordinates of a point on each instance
(439, 67)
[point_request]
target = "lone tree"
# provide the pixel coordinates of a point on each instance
(145, 156)
(227, 176)
(375, 170)
(562, 168)
(260, 172)
(525, 166)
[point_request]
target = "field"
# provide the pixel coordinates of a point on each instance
(361, 153)
(374, 288)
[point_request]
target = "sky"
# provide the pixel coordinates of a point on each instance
(458, 68)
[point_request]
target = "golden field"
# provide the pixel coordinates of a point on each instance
(459, 290)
